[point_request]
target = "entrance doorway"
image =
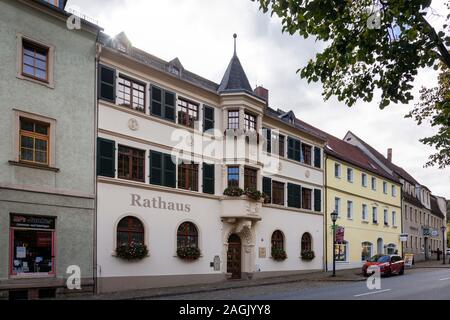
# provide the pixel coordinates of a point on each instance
(380, 246)
(234, 256)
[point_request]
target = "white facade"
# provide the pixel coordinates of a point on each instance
(162, 210)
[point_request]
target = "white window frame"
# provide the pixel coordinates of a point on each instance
(349, 209)
(337, 205)
(394, 218)
(339, 171)
(386, 217)
(385, 188)
(374, 215)
(373, 183)
(364, 180)
(350, 175)
(365, 216)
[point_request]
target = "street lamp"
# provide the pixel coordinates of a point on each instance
(443, 228)
(334, 216)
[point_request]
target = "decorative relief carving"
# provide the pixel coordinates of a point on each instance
(133, 124)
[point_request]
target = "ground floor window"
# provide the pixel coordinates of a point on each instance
(187, 235)
(366, 252)
(306, 242)
(391, 248)
(340, 251)
(130, 229)
(32, 244)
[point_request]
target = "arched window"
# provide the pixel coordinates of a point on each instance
(306, 242)
(187, 235)
(366, 252)
(391, 248)
(277, 240)
(130, 229)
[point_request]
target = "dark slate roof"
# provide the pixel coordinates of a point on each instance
(235, 79)
(435, 207)
(412, 200)
(160, 64)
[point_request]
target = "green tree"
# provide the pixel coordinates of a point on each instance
(373, 46)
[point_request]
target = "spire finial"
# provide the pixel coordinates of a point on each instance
(235, 36)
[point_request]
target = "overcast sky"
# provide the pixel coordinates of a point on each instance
(199, 33)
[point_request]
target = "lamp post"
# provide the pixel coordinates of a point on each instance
(443, 228)
(334, 216)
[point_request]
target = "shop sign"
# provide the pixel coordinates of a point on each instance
(32, 222)
(262, 252)
(409, 257)
(340, 231)
(404, 237)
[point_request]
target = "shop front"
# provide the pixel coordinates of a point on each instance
(32, 245)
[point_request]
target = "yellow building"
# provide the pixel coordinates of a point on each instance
(368, 201)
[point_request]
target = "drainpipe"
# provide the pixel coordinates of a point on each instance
(325, 229)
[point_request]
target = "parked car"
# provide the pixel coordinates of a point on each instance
(448, 252)
(388, 264)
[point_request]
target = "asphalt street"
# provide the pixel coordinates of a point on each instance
(419, 284)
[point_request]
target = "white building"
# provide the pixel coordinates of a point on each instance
(152, 112)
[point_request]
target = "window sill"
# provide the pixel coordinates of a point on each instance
(365, 222)
(41, 82)
(33, 166)
(375, 223)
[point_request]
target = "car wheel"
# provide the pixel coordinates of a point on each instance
(402, 271)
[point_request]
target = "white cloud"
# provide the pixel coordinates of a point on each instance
(199, 33)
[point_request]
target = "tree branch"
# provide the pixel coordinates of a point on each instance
(440, 46)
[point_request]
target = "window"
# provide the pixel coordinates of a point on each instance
(130, 229)
(250, 178)
(306, 198)
(131, 164)
(281, 142)
(278, 193)
(32, 244)
(374, 214)
(187, 236)
(340, 251)
(374, 183)
(131, 94)
(294, 149)
(394, 218)
(107, 83)
(385, 191)
(364, 213)
(267, 189)
(386, 217)
(337, 205)
(306, 153)
(394, 191)
(277, 240)
(35, 61)
(366, 252)
(317, 200)
(233, 119)
(306, 243)
(249, 122)
(233, 177)
(337, 170)
(188, 176)
(349, 209)
(268, 134)
(162, 103)
(364, 179)
(391, 248)
(208, 178)
(350, 175)
(187, 113)
(34, 141)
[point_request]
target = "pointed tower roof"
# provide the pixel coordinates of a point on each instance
(235, 79)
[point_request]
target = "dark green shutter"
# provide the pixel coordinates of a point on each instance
(106, 156)
(170, 167)
(317, 200)
(317, 158)
(156, 98)
(290, 148)
(293, 195)
(156, 167)
(169, 106)
(208, 118)
(269, 140)
(267, 188)
(208, 178)
(107, 83)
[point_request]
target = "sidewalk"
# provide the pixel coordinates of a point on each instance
(341, 276)
(432, 264)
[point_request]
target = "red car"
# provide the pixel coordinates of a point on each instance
(388, 264)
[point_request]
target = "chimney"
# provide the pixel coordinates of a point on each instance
(262, 93)
(389, 155)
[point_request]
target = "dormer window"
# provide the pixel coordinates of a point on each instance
(175, 70)
(249, 122)
(121, 47)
